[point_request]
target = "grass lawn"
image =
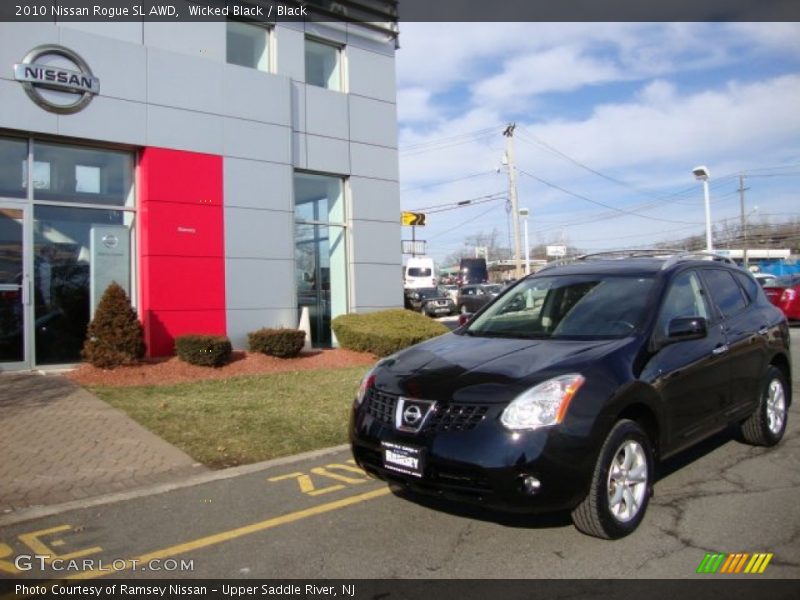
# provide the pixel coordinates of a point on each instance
(245, 419)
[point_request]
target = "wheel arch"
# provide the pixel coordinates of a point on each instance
(639, 403)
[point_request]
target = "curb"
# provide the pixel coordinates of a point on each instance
(38, 512)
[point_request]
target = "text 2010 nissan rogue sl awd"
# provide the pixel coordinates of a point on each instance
(564, 391)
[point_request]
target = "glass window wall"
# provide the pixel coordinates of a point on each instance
(320, 252)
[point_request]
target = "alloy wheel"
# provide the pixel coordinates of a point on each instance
(776, 406)
(627, 481)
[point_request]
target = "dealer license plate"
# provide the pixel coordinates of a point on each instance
(403, 459)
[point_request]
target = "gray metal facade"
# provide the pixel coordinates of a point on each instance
(168, 85)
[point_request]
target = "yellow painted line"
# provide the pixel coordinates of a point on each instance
(766, 562)
(755, 563)
(232, 534)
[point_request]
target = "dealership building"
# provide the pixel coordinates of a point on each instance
(228, 174)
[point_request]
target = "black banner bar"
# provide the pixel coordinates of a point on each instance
(707, 588)
(388, 12)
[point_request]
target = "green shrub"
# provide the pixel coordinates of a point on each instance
(114, 336)
(284, 343)
(204, 350)
(384, 332)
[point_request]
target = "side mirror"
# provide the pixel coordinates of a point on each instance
(687, 328)
(464, 318)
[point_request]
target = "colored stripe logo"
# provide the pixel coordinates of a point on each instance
(741, 562)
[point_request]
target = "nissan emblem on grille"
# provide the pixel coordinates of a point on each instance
(410, 414)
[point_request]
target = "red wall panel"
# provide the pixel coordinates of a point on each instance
(181, 246)
(178, 176)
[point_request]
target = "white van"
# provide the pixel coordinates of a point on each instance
(420, 272)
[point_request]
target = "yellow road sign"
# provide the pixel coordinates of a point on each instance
(412, 218)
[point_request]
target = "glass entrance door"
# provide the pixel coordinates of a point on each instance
(14, 288)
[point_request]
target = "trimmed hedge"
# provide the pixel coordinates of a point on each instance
(115, 336)
(204, 350)
(284, 343)
(384, 332)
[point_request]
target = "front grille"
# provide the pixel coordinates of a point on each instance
(451, 417)
(457, 417)
(381, 406)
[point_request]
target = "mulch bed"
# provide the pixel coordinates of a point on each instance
(173, 370)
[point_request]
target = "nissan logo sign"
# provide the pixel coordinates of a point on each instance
(38, 73)
(412, 415)
(110, 241)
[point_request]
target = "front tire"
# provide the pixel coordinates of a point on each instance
(767, 424)
(621, 484)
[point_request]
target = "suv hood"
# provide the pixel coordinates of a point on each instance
(464, 368)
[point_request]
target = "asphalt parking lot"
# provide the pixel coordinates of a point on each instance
(321, 517)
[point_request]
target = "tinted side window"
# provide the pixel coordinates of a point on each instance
(750, 286)
(684, 299)
(724, 290)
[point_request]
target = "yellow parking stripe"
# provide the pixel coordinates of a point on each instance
(232, 534)
(767, 558)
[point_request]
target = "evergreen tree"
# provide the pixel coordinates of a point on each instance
(115, 336)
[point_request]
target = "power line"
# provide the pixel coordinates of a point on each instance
(529, 138)
(438, 183)
(467, 222)
(613, 208)
(444, 143)
(459, 203)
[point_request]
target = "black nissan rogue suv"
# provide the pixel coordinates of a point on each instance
(564, 391)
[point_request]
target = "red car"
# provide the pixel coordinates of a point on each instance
(784, 292)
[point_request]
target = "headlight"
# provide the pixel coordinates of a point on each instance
(366, 383)
(542, 405)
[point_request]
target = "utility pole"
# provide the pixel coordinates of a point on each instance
(512, 193)
(744, 219)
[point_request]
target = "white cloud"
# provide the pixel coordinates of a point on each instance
(414, 105)
(738, 120)
(559, 69)
(784, 37)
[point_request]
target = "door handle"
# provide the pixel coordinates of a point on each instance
(720, 350)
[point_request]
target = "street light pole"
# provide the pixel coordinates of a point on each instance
(512, 191)
(701, 174)
(523, 212)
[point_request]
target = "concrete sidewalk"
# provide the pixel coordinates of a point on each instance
(59, 443)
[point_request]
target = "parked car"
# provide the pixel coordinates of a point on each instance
(765, 279)
(784, 292)
(452, 291)
(471, 298)
(567, 389)
(433, 301)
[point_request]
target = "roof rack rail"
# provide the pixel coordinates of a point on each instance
(614, 255)
(670, 256)
(698, 255)
(637, 253)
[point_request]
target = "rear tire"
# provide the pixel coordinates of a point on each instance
(621, 484)
(767, 424)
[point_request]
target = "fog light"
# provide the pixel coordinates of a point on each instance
(531, 485)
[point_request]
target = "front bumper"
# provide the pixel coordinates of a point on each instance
(484, 465)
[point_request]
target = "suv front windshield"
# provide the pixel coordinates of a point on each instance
(567, 307)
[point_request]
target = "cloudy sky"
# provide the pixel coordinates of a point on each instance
(611, 119)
